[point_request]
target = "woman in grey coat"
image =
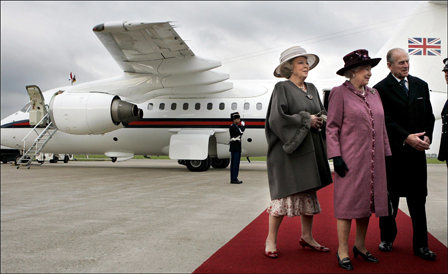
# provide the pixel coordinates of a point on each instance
(296, 160)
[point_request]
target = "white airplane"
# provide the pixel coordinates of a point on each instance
(168, 101)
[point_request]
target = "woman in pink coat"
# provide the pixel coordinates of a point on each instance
(358, 144)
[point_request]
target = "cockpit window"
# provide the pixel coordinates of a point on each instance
(26, 108)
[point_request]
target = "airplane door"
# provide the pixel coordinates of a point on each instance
(38, 110)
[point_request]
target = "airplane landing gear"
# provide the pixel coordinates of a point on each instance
(198, 165)
(220, 163)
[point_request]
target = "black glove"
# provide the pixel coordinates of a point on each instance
(339, 166)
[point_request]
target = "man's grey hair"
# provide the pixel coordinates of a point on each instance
(390, 54)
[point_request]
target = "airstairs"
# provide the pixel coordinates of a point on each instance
(39, 143)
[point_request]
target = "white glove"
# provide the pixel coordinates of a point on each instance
(243, 123)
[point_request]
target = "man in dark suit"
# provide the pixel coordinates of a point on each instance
(409, 124)
(235, 132)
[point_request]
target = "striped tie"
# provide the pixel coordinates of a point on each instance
(403, 86)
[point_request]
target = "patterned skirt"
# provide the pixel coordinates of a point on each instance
(303, 203)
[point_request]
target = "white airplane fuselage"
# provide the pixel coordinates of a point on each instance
(151, 135)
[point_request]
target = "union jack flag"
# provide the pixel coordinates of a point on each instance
(424, 46)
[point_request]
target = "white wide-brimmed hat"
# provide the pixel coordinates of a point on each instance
(292, 53)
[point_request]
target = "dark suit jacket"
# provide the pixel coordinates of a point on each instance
(443, 151)
(234, 131)
(404, 115)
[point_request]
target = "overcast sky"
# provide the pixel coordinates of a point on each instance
(42, 42)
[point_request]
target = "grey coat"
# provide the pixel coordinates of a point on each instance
(297, 157)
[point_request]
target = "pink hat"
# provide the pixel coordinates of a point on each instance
(357, 58)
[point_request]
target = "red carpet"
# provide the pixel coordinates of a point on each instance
(245, 252)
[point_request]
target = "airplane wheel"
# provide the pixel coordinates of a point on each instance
(66, 158)
(208, 163)
(198, 165)
(220, 163)
(54, 160)
(114, 159)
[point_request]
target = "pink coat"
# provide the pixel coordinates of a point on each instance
(354, 122)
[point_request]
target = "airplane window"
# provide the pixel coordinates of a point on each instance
(26, 107)
(197, 106)
(259, 106)
(185, 107)
(209, 106)
(173, 106)
(222, 106)
(150, 106)
(234, 106)
(162, 106)
(246, 106)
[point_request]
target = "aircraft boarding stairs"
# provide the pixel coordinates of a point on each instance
(39, 143)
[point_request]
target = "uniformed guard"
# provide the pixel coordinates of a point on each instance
(236, 131)
(443, 151)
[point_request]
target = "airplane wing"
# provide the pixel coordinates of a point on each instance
(141, 47)
(156, 62)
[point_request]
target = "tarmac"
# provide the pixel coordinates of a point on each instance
(149, 216)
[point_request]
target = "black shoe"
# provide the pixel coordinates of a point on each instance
(344, 263)
(425, 253)
(236, 182)
(385, 246)
(367, 257)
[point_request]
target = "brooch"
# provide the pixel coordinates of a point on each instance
(372, 90)
(309, 96)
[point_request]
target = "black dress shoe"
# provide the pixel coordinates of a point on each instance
(236, 182)
(345, 263)
(367, 257)
(385, 246)
(425, 253)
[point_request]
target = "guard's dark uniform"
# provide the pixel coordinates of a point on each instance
(236, 132)
(443, 151)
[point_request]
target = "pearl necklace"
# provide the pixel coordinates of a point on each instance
(301, 87)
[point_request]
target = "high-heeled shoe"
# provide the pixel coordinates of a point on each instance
(270, 254)
(345, 263)
(321, 248)
(367, 257)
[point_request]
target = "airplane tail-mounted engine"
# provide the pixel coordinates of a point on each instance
(91, 113)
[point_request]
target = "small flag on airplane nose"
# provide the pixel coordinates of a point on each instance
(72, 78)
